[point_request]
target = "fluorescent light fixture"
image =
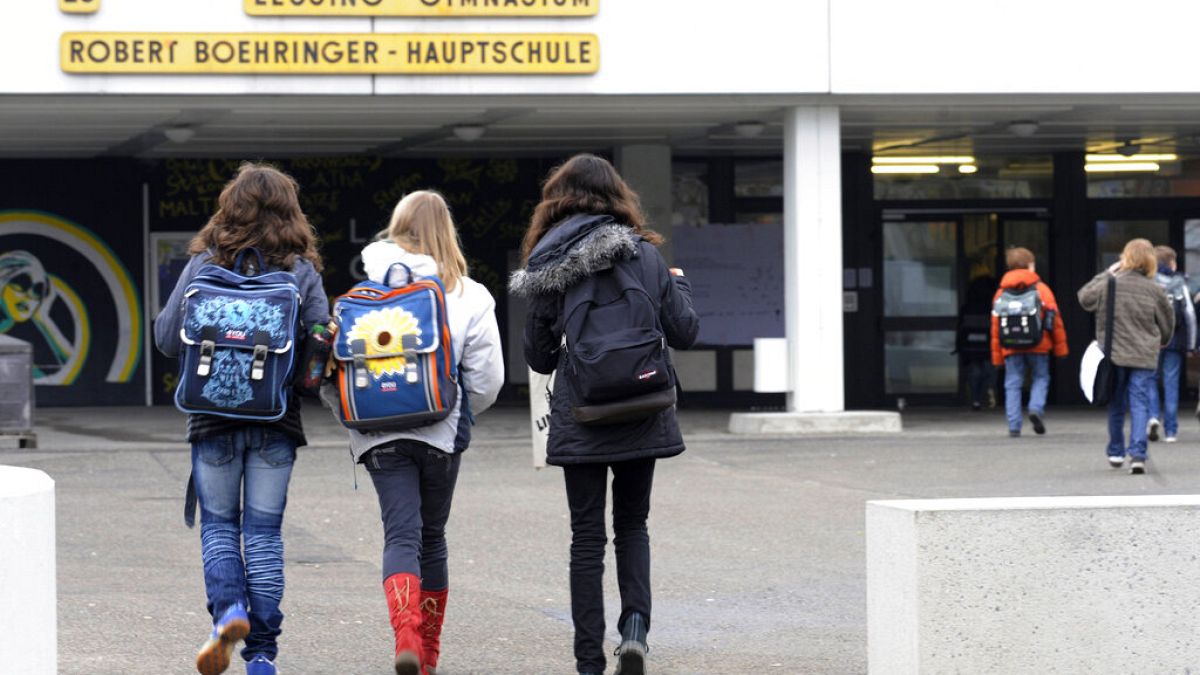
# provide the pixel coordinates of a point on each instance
(1146, 157)
(749, 128)
(180, 134)
(905, 168)
(947, 159)
(1100, 167)
(967, 168)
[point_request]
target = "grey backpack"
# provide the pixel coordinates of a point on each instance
(1021, 318)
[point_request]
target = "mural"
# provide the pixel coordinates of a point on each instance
(55, 277)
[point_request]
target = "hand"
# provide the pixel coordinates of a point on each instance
(676, 272)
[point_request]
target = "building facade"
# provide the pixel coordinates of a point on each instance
(840, 173)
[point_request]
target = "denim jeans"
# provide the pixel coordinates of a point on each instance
(1132, 391)
(587, 487)
(415, 484)
(981, 376)
(1014, 379)
(1170, 363)
(257, 463)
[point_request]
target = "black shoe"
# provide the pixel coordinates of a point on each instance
(1152, 429)
(976, 407)
(1137, 466)
(1036, 420)
(631, 655)
(1014, 433)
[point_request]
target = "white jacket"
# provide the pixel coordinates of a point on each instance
(471, 311)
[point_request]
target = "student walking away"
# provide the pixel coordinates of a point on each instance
(420, 330)
(604, 308)
(250, 291)
(1142, 323)
(1164, 410)
(1026, 328)
(973, 341)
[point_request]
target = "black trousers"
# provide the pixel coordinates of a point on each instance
(587, 487)
(415, 485)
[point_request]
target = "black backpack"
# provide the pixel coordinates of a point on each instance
(618, 368)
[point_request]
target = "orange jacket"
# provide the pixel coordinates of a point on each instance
(1052, 340)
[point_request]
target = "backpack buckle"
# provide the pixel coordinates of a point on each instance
(262, 342)
(359, 349)
(410, 370)
(207, 349)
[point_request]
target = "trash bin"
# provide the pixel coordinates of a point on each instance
(16, 391)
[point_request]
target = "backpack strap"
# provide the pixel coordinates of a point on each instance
(189, 502)
(237, 262)
(392, 268)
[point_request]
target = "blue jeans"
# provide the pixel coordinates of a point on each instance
(1170, 363)
(415, 485)
(1132, 391)
(259, 462)
(1014, 378)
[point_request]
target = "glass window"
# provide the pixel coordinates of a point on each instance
(1180, 178)
(1033, 235)
(689, 193)
(918, 269)
(758, 179)
(994, 178)
(979, 245)
(920, 362)
(1191, 253)
(1112, 235)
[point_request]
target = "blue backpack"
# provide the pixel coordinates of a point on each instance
(395, 361)
(239, 338)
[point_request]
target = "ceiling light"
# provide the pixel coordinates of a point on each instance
(967, 168)
(1120, 166)
(179, 134)
(905, 168)
(749, 129)
(1023, 127)
(1145, 157)
(469, 132)
(939, 159)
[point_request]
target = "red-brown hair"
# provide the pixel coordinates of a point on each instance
(259, 208)
(586, 184)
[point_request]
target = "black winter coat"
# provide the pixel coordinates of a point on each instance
(569, 253)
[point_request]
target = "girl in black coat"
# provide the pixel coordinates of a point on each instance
(589, 221)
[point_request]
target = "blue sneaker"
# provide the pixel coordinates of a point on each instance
(230, 629)
(260, 665)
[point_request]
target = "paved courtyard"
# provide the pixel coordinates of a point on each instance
(758, 542)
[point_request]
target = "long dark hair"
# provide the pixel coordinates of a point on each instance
(586, 184)
(259, 208)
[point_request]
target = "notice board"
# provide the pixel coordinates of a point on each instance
(736, 273)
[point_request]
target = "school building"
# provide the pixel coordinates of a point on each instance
(836, 172)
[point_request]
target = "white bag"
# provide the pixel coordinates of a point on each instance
(541, 387)
(1087, 370)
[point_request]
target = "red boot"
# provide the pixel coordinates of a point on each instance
(403, 598)
(433, 612)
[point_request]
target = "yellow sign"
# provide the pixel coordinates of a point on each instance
(330, 54)
(422, 7)
(79, 6)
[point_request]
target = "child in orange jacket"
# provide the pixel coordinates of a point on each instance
(1021, 276)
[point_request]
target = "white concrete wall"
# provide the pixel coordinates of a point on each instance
(664, 46)
(1034, 585)
(1017, 46)
(28, 610)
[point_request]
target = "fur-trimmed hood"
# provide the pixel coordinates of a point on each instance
(570, 252)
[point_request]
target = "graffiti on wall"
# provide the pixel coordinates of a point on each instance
(55, 275)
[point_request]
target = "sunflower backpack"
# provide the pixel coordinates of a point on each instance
(395, 365)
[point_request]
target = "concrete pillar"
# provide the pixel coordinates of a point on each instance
(1033, 585)
(812, 287)
(812, 258)
(29, 618)
(647, 169)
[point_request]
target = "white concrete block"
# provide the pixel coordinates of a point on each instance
(28, 613)
(1034, 585)
(859, 421)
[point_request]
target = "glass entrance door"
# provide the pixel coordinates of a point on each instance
(940, 274)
